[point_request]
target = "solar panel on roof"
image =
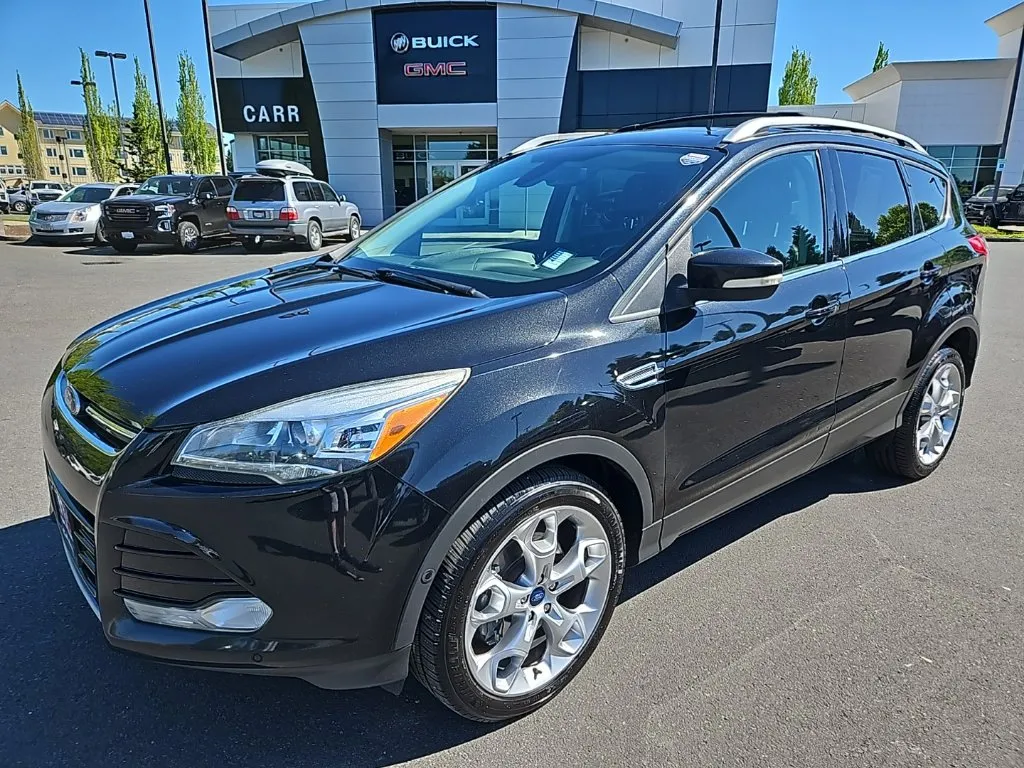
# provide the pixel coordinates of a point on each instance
(61, 118)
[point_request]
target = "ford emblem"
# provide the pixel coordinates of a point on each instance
(71, 399)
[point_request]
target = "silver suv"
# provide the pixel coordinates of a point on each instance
(283, 202)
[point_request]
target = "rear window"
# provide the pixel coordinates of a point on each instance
(879, 210)
(929, 191)
(259, 191)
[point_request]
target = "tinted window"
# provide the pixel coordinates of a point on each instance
(86, 195)
(929, 192)
(775, 208)
(301, 190)
(329, 194)
(259, 191)
(223, 186)
(125, 191)
(167, 185)
(539, 219)
(879, 211)
(205, 187)
(316, 190)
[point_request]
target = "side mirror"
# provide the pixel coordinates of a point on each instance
(207, 196)
(732, 274)
(343, 198)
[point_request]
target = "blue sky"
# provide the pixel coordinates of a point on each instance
(841, 37)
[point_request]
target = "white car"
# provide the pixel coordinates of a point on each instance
(76, 214)
(5, 202)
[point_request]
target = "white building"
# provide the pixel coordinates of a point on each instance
(957, 109)
(391, 99)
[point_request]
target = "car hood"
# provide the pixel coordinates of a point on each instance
(58, 207)
(270, 336)
(981, 200)
(148, 199)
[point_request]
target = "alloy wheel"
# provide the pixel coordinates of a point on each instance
(315, 238)
(189, 235)
(538, 602)
(939, 412)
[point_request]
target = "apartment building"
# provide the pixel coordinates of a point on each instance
(61, 145)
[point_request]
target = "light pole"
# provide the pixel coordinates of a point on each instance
(117, 101)
(216, 94)
(156, 83)
(62, 144)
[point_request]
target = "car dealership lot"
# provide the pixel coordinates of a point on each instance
(843, 620)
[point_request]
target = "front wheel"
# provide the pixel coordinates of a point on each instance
(20, 207)
(522, 598)
(989, 219)
(189, 237)
(252, 244)
(353, 227)
(931, 417)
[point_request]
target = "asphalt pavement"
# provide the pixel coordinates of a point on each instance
(846, 619)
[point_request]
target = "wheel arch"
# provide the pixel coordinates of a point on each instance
(589, 454)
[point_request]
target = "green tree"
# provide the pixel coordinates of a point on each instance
(799, 86)
(229, 157)
(100, 128)
(143, 142)
(28, 136)
(200, 148)
(893, 225)
(881, 58)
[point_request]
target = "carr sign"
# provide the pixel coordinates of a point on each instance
(436, 55)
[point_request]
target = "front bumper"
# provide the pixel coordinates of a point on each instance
(160, 231)
(335, 561)
(65, 229)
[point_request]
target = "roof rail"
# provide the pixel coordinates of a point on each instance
(708, 118)
(752, 128)
(553, 138)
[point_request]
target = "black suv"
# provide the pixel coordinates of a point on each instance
(438, 451)
(181, 210)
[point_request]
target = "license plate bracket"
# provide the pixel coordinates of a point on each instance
(127, 235)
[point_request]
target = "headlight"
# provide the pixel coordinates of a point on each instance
(164, 210)
(323, 434)
(80, 215)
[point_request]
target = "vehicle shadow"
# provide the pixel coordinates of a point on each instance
(68, 699)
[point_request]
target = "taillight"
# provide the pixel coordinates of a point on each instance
(233, 213)
(288, 214)
(979, 245)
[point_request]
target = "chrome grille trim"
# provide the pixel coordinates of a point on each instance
(120, 430)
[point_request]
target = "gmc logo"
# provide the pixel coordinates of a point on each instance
(441, 69)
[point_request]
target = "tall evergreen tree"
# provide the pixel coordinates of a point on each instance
(881, 58)
(200, 148)
(143, 142)
(100, 128)
(28, 136)
(799, 86)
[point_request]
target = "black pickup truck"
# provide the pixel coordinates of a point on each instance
(181, 210)
(1008, 208)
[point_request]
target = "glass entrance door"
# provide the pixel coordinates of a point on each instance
(475, 209)
(439, 174)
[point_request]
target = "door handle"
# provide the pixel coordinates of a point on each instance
(930, 271)
(819, 313)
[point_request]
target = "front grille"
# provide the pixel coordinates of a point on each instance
(125, 213)
(51, 217)
(156, 568)
(78, 529)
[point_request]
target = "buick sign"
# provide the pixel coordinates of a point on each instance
(399, 42)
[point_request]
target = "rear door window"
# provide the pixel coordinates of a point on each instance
(259, 191)
(929, 191)
(222, 185)
(876, 200)
(316, 190)
(776, 208)
(301, 190)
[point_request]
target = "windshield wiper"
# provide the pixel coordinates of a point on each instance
(411, 280)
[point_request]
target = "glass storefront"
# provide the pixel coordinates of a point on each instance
(423, 163)
(972, 166)
(287, 147)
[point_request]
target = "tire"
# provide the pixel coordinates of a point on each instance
(123, 246)
(98, 238)
(353, 227)
(252, 244)
(314, 237)
(989, 219)
(20, 207)
(901, 451)
(584, 520)
(189, 236)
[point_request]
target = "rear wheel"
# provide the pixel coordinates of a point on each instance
(123, 246)
(522, 598)
(189, 237)
(930, 420)
(314, 236)
(20, 206)
(353, 227)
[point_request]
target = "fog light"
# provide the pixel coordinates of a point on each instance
(230, 614)
(164, 225)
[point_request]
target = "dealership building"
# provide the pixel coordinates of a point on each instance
(390, 100)
(956, 109)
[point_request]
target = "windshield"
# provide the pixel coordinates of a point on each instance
(987, 191)
(538, 220)
(86, 195)
(259, 191)
(166, 185)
